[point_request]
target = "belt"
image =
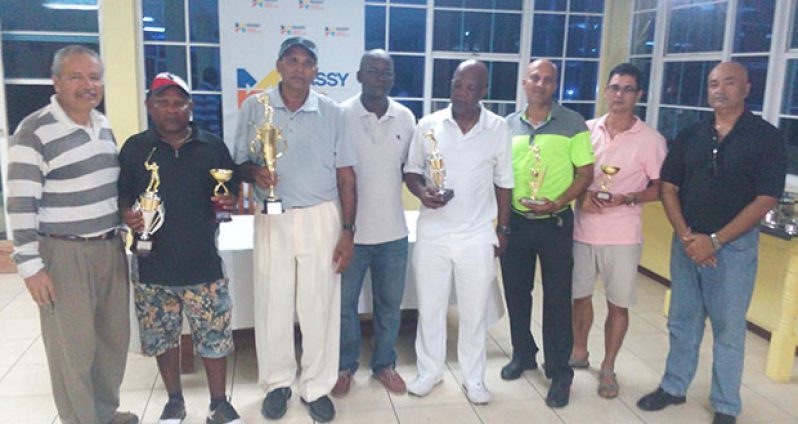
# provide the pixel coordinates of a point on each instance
(104, 236)
(536, 216)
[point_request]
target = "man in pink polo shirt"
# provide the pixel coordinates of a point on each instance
(607, 226)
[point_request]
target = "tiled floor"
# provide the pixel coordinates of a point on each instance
(25, 390)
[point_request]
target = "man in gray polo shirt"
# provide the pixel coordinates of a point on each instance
(299, 254)
(381, 130)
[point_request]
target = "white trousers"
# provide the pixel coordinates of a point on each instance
(294, 273)
(474, 271)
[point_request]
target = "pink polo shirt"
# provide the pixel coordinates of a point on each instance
(639, 153)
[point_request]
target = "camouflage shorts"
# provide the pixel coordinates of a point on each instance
(208, 309)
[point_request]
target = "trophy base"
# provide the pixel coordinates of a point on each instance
(142, 247)
(272, 207)
(604, 196)
(223, 216)
(446, 193)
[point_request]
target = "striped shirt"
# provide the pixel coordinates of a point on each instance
(61, 180)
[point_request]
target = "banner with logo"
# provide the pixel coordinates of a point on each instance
(250, 35)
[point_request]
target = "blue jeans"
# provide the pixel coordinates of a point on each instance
(723, 293)
(387, 262)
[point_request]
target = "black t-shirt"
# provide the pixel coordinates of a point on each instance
(184, 248)
(717, 180)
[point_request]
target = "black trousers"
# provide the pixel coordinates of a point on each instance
(551, 240)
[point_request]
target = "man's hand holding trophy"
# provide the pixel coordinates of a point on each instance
(270, 146)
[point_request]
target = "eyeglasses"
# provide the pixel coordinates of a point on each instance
(627, 89)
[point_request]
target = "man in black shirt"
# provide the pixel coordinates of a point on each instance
(183, 272)
(720, 178)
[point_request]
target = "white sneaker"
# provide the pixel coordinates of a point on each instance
(423, 385)
(477, 393)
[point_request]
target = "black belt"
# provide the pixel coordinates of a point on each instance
(532, 216)
(104, 236)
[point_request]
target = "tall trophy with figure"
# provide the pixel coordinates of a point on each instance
(152, 210)
(269, 145)
(606, 182)
(437, 168)
(537, 173)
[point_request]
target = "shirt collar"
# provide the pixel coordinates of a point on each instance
(361, 110)
(554, 111)
(60, 114)
(311, 103)
(155, 138)
(636, 127)
(480, 122)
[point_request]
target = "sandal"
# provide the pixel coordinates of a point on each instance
(608, 384)
(579, 363)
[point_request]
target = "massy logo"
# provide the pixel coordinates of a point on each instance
(311, 4)
(247, 27)
(269, 4)
(293, 29)
(247, 85)
(336, 31)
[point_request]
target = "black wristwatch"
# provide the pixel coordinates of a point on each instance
(503, 230)
(348, 227)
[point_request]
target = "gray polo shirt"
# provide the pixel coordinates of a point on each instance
(316, 147)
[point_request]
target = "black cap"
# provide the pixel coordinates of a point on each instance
(298, 41)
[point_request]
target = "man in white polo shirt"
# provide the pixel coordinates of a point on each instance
(608, 227)
(380, 128)
(455, 234)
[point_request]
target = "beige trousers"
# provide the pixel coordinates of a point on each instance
(87, 330)
(294, 274)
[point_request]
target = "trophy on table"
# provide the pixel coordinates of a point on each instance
(270, 145)
(606, 182)
(536, 175)
(152, 210)
(221, 176)
(437, 169)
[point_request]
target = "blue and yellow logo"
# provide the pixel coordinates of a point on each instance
(268, 4)
(336, 31)
(312, 4)
(247, 27)
(293, 29)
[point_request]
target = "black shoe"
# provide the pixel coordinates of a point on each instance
(276, 403)
(514, 369)
(322, 409)
(659, 399)
(724, 419)
(559, 393)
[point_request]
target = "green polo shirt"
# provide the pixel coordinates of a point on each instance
(564, 142)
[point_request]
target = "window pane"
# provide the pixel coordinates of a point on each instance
(409, 76)
(442, 73)
(757, 75)
(754, 28)
(672, 120)
(375, 27)
(501, 109)
(641, 111)
(25, 100)
(548, 35)
(550, 4)
(163, 20)
(789, 105)
(645, 4)
(587, 6)
(476, 32)
(584, 36)
(482, 4)
(643, 33)
(204, 20)
(685, 83)
(503, 80)
(27, 15)
(164, 59)
(584, 109)
(697, 28)
(790, 128)
(32, 59)
(204, 66)
(794, 43)
(407, 30)
(416, 106)
(644, 65)
(208, 112)
(580, 80)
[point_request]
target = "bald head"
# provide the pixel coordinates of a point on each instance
(543, 64)
(472, 68)
(540, 82)
(375, 55)
(728, 87)
(469, 85)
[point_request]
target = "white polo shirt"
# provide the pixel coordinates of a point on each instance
(474, 163)
(381, 146)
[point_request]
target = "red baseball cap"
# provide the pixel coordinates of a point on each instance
(165, 80)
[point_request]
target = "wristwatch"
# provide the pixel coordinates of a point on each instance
(716, 244)
(348, 227)
(503, 230)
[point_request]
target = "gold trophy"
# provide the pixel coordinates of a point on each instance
(536, 175)
(606, 182)
(152, 209)
(270, 145)
(437, 169)
(221, 176)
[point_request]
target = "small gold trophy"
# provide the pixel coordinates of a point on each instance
(152, 209)
(606, 182)
(221, 176)
(536, 175)
(437, 169)
(270, 145)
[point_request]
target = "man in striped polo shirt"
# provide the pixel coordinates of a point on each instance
(62, 204)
